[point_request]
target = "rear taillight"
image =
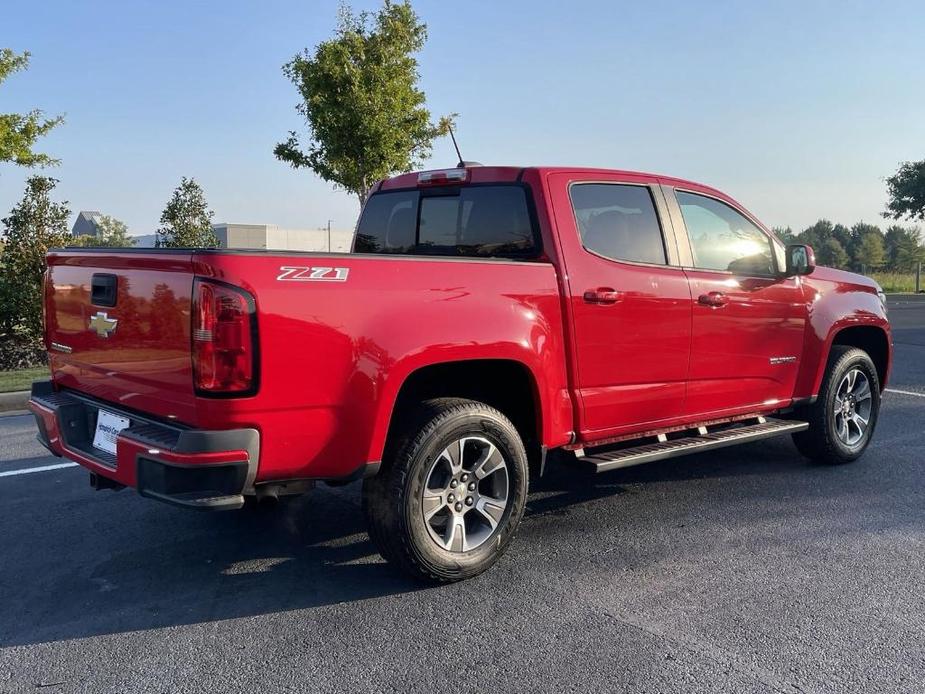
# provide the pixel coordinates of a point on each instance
(224, 339)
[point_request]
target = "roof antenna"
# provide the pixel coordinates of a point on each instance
(462, 163)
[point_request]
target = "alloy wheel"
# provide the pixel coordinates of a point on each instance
(852, 407)
(465, 494)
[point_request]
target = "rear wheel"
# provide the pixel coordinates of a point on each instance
(843, 418)
(451, 493)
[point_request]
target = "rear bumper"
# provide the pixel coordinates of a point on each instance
(208, 470)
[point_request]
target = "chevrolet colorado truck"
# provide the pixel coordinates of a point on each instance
(486, 317)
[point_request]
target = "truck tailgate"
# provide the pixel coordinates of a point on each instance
(118, 327)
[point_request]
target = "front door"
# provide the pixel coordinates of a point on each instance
(748, 320)
(630, 309)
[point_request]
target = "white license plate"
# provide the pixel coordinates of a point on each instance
(108, 426)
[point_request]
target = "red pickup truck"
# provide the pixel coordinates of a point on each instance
(486, 316)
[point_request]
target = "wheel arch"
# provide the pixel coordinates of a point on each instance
(508, 385)
(872, 339)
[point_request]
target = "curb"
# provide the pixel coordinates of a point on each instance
(14, 401)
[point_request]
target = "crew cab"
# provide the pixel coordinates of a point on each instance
(486, 318)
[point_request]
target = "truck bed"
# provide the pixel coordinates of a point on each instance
(336, 336)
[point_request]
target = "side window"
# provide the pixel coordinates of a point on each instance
(618, 222)
(723, 239)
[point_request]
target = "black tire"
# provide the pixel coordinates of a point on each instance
(392, 500)
(821, 442)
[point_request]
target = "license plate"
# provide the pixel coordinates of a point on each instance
(108, 426)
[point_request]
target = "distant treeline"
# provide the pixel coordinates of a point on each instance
(862, 247)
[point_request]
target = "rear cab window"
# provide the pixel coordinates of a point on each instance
(480, 221)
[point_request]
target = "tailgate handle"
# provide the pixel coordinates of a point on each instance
(103, 289)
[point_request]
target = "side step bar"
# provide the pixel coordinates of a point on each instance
(703, 440)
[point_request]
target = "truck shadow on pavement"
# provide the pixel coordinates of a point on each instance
(568, 484)
(126, 564)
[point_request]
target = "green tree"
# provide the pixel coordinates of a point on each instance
(816, 235)
(114, 232)
(870, 254)
(186, 222)
(785, 234)
(842, 234)
(33, 226)
(833, 254)
(111, 233)
(906, 192)
(903, 248)
(361, 101)
(857, 233)
(19, 131)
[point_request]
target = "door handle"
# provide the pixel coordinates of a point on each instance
(714, 299)
(602, 295)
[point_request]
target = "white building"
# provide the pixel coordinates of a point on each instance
(273, 237)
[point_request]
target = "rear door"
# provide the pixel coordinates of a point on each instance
(118, 327)
(748, 320)
(630, 308)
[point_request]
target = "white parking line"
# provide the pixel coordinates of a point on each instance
(43, 468)
(905, 392)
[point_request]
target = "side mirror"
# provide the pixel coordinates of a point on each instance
(800, 260)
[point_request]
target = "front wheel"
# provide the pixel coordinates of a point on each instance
(452, 491)
(844, 416)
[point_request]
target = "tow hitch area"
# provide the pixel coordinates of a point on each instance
(98, 482)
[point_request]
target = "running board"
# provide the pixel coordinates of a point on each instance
(703, 440)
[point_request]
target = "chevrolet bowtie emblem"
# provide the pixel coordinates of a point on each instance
(102, 324)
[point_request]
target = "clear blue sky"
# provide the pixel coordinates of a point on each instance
(798, 109)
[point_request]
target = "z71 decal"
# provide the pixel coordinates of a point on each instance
(313, 274)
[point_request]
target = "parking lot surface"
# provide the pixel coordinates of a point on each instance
(743, 570)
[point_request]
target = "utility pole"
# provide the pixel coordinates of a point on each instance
(329, 234)
(918, 277)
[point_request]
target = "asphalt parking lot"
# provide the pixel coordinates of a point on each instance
(746, 570)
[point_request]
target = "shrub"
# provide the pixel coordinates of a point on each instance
(21, 353)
